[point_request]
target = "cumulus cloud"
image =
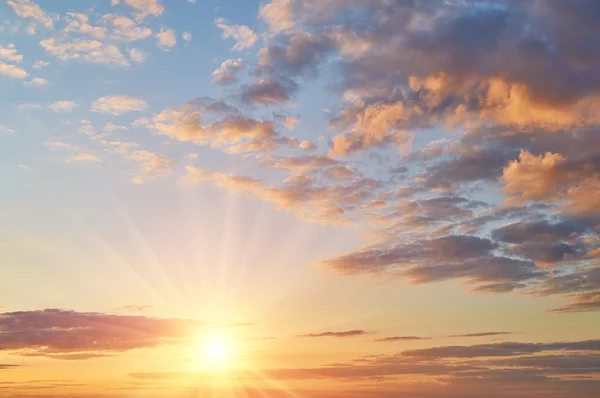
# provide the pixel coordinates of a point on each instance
(91, 51)
(118, 104)
(143, 8)
(138, 56)
(244, 36)
(78, 22)
(166, 38)
(124, 29)
(12, 71)
(9, 53)
(30, 9)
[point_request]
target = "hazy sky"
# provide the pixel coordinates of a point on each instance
(300, 198)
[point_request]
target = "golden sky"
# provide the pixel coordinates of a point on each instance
(300, 198)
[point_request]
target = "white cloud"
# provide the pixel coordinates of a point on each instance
(166, 38)
(6, 130)
(278, 14)
(244, 35)
(78, 22)
(31, 29)
(110, 127)
(12, 71)
(226, 72)
(143, 122)
(138, 56)
(40, 64)
(125, 29)
(92, 51)
(37, 82)
(9, 53)
(187, 36)
(144, 8)
(307, 145)
(30, 9)
(118, 104)
(63, 106)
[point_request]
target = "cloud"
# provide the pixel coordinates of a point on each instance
(231, 131)
(39, 64)
(187, 36)
(152, 166)
(36, 82)
(138, 56)
(118, 104)
(278, 14)
(501, 349)
(244, 36)
(269, 92)
(484, 334)
(124, 29)
(341, 172)
(227, 72)
(6, 130)
(84, 157)
(346, 333)
(9, 53)
(393, 339)
(307, 145)
(464, 257)
(71, 335)
(503, 369)
(581, 303)
(166, 38)
(544, 242)
(110, 127)
(30, 9)
(77, 22)
(144, 8)
(298, 195)
(63, 106)
(91, 51)
(552, 177)
(12, 71)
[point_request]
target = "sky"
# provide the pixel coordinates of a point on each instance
(300, 198)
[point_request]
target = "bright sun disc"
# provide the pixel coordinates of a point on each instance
(216, 352)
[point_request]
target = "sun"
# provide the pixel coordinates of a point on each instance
(215, 351)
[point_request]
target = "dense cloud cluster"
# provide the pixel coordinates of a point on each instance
(503, 99)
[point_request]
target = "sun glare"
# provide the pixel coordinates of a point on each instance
(216, 352)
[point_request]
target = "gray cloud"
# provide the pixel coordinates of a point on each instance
(345, 333)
